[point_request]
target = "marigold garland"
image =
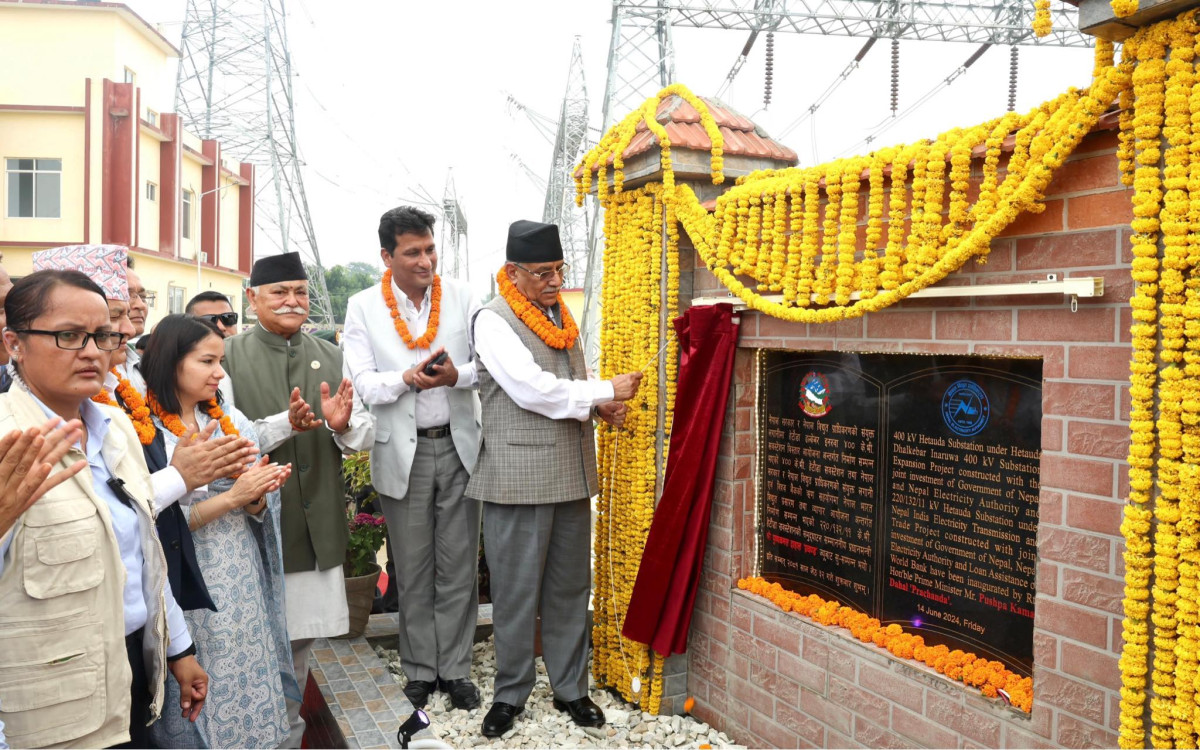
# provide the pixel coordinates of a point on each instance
(1042, 25)
(989, 676)
(769, 233)
(631, 458)
(175, 425)
(552, 335)
(435, 312)
(133, 405)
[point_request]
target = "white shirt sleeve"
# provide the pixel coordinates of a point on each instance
(511, 363)
(169, 487)
(371, 385)
(177, 629)
(6, 542)
(273, 431)
(360, 432)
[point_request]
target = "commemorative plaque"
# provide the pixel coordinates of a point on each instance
(906, 486)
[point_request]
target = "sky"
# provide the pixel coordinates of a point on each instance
(393, 98)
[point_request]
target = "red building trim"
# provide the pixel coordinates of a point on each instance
(118, 163)
(169, 158)
(87, 160)
(137, 169)
(246, 219)
(210, 203)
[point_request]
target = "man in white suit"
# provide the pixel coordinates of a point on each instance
(426, 443)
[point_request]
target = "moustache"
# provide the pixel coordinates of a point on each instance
(285, 309)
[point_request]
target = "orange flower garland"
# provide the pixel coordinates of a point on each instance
(435, 312)
(173, 423)
(991, 677)
(558, 338)
(133, 405)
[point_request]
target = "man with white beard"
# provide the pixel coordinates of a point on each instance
(275, 371)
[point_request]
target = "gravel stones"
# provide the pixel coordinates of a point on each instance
(543, 726)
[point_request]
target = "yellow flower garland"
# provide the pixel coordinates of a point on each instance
(629, 340)
(770, 232)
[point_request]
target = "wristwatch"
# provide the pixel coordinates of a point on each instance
(189, 651)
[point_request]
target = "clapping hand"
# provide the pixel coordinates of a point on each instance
(300, 414)
(338, 407)
(200, 458)
(262, 477)
(26, 462)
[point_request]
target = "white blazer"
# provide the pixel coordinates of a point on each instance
(396, 429)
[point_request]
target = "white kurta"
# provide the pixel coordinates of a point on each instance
(316, 599)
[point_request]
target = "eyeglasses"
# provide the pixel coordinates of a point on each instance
(147, 297)
(106, 341)
(229, 319)
(561, 272)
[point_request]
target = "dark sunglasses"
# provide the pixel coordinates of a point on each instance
(229, 319)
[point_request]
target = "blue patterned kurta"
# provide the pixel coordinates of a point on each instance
(244, 644)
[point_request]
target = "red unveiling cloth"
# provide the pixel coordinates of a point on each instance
(660, 607)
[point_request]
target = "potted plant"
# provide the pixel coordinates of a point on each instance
(367, 534)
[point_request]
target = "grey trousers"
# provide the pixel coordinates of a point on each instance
(538, 556)
(435, 537)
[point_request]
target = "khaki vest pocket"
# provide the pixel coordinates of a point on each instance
(60, 544)
(52, 679)
(52, 703)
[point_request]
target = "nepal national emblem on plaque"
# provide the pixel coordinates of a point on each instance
(814, 395)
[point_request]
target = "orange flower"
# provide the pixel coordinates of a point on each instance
(558, 338)
(435, 312)
(989, 676)
(133, 405)
(173, 423)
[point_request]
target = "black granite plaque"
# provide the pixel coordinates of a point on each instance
(906, 486)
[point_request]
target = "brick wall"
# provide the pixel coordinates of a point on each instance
(773, 679)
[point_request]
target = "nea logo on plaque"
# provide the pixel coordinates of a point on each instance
(906, 486)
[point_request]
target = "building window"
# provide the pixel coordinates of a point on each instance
(175, 301)
(186, 215)
(152, 117)
(151, 192)
(130, 76)
(34, 188)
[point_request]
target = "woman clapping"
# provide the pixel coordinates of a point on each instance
(235, 526)
(90, 626)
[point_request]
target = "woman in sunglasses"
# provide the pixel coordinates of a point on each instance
(235, 526)
(90, 627)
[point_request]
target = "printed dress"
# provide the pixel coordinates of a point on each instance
(244, 644)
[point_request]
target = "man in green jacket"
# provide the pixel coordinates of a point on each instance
(275, 372)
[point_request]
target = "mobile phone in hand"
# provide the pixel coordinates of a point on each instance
(428, 370)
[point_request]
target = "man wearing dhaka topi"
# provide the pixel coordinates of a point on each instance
(276, 370)
(536, 473)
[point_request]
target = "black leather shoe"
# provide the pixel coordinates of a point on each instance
(463, 693)
(583, 711)
(418, 692)
(500, 718)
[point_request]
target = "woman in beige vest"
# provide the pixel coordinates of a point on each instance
(90, 627)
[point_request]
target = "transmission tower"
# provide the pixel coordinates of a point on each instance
(570, 143)
(453, 245)
(235, 85)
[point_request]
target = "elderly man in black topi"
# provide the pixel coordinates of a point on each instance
(536, 474)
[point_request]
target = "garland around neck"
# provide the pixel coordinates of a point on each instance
(435, 310)
(538, 322)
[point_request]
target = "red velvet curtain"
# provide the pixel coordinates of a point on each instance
(660, 607)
